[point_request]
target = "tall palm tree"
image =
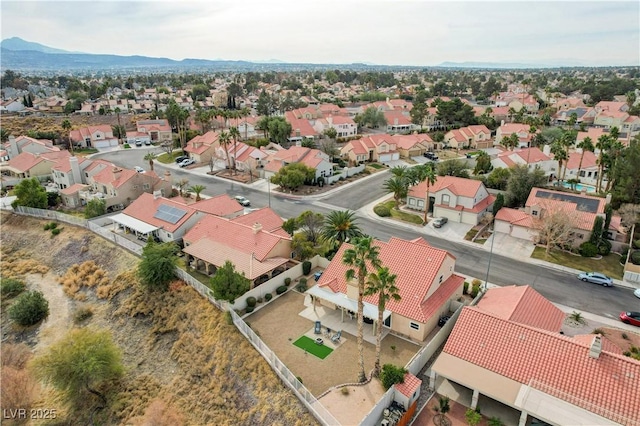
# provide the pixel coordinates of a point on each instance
(586, 145)
(382, 284)
(224, 138)
(613, 153)
(117, 111)
(150, 156)
(340, 226)
(66, 126)
(263, 124)
(197, 189)
(399, 186)
(235, 134)
(560, 155)
(602, 145)
(362, 256)
(425, 173)
(568, 140)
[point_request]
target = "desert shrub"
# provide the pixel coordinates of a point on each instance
(82, 314)
(635, 257)
(604, 247)
(382, 210)
(636, 244)
(472, 417)
(47, 226)
(306, 267)
(249, 309)
(301, 288)
(303, 282)
(625, 336)
(475, 289)
(465, 288)
(87, 274)
(344, 391)
(598, 331)
(18, 390)
(287, 281)
(53, 225)
(391, 374)
(495, 421)
(299, 379)
(29, 309)
(251, 301)
(476, 282)
(268, 296)
(11, 288)
(281, 289)
(588, 249)
(259, 300)
(55, 231)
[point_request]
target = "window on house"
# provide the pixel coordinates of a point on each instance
(440, 279)
(534, 213)
(580, 236)
(146, 186)
(414, 326)
(446, 198)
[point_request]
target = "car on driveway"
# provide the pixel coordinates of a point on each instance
(138, 169)
(138, 142)
(243, 201)
(439, 222)
(596, 278)
(632, 318)
(637, 293)
(187, 162)
(181, 159)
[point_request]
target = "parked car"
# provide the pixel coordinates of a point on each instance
(139, 169)
(147, 142)
(632, 318)
(243, 201)
(430, 155)
(637, 293)
(439, 222)
(596, 278)
(187, 162)
(181, 159)
(138, 142)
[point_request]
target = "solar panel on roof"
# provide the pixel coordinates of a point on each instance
(169, 213)
(583, 204)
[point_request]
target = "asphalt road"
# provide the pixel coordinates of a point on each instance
(558, 286)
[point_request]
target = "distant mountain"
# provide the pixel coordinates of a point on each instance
(16, 43)
(485, 65)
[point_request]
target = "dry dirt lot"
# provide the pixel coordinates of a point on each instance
(177, 349)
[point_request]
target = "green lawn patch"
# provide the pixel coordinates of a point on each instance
(472, 233)
(166, 158)
(203, 278)
(376, 166)
(309, 345)
(608, 265)
(403, 216)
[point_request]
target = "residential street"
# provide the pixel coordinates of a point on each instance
(556, 285)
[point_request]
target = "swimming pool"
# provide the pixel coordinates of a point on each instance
(580, 187)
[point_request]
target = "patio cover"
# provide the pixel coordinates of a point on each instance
(133, 223)
(341, 299)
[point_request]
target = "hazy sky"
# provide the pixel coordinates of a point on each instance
(392, 32)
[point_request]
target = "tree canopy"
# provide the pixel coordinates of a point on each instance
(95, 208)
(30, 193)
(227, 284)
(520, 183)
(294, 175)
(158, 264)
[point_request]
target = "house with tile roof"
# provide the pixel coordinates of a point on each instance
(530, 157)
(582, 210)
(245, 157)
(258, 251)
(587, 163)
(399, 121)
(458, 199)
(520, 129)
(510, 352)
(28, 165)
(301, 128)
(475, 137)
(425, 278)
(344, 126)
(158, 130)
(414, 145)
(377, 147)
(204, 147)
(16, 146)
(100, 136)
(310, 157)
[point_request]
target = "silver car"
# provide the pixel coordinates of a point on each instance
(596, 278)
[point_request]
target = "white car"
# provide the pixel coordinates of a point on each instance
(139, 169)
(243, 201)
(187, 162)
(637, 293)
(596, 278)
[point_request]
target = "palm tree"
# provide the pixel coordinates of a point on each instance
(340, 226)
(382, 284)
(66, 126)
(560, 155)
(224, 138)
(150, 157)
(427, 173)
(586, 145)
(568, 140)
(117, 111)
(399, 186)
(197, 189)
(360, 257)
(613, 153)
(235, 134)
(602, 145)
(442, 409)
(263, 124)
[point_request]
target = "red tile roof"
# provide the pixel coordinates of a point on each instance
(145, 206)
(524, 305)
(514, 217)
(410, 384)
(114, 176)
(588, 160)
(551, 362)
(582, 219)
(221, 205)
(64, 166)
(74, 188)
(265, 216)
(416, 265)
(458, 186)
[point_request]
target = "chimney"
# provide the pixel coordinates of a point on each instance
(116, 173)
(501, 123)
(257, 227)
(14, 147)
(607, 199)
(546, 150)
(596, 347)
(75, 170)
(167, 176)
(157, 194)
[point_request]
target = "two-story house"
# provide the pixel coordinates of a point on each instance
(379, 147)
(158, 130)
(344, 126)
(28, 165)
(203, 147)
(310, 157)
(475, 137)
(520, 129)
(531, 157)
(100, 136)
(16, 146)
(458, 199)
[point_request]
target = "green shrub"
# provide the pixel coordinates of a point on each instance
(281, 289)
(249, 309)
(382, 210)
(476, 282)
(251, 301)
(299, 379)
(55, 231)
(636, 244)
(301, 287)
(391, 374)
(465, 288)
(287, 281)
(303, 281)
(588, 249)
(268, 296)
(475, 289)
(259, 300)
(604, 247)
(495, 421)
(126, 146)
(29, 308)
(53, 225)
(47, 226)
(11, 288)
(635, 257)
(82, 314)
(306, 267)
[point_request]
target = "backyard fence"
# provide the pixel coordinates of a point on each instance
(51, 214)
(374, 415)
(200, 288)
(307, 398)
(112, 236)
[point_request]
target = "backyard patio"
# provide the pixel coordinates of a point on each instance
(279, 325)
